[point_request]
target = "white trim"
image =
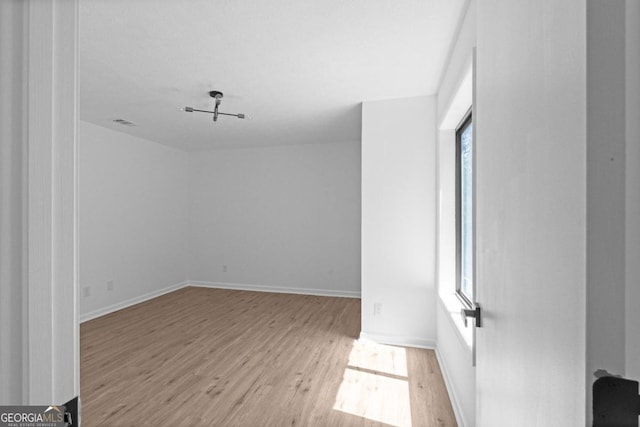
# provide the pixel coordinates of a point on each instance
(453, 397)
(76, 203)
(462, 99)
(451, 307)
(50, 116)
(276, 289)
(398, 340)
(474, 200)
(214, 285)
(131, 301)
(40, 286)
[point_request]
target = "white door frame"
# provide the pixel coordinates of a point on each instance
(50, 326)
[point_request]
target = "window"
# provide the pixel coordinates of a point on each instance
(464, 209)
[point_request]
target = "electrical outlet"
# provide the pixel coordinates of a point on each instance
(377, 309)
(109, 285)
(224, 268)
(86, 291)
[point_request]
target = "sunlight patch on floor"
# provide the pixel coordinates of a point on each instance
(379, 358)
(375, 384)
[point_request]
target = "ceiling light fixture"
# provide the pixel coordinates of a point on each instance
(218, 97)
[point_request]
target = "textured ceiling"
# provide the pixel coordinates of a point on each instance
(298, 69)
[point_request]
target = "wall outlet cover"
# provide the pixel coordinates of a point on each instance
(377, 309)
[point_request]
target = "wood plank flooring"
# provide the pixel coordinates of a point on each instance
(211, 357)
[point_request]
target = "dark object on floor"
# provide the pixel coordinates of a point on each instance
(615, 402)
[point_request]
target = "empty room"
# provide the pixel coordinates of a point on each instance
(305, 213)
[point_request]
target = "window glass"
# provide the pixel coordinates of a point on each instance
(465, 209)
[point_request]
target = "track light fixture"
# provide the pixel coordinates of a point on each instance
(218, 97)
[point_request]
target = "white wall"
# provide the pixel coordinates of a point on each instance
(454, 349)
(531, 212)
(455, 359)
(398, 220)
(632, 340)
(459, 61)
(284, 218)
(133, 217)
(11, 201)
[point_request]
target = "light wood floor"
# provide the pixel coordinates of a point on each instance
(209, 357)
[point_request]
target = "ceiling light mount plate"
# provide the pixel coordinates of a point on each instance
(216, 94)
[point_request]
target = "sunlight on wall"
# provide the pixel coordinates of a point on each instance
(375, 384)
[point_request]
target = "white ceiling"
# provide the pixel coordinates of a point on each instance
(298, 69)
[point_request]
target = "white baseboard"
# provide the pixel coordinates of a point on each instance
(132, 301)
(276, 289)
(399, 340)
(453, 397)
(216, 285)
